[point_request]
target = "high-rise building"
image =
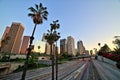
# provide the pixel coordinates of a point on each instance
(4, 35)
(43, 37)
(25, 43)
(0, 44)
(87, 52)
(71, 46)
(80, 47)
(47, 48)
(63, 45)
(15, 35)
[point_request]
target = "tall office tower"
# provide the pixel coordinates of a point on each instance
(87, 52)
(63, 45)
(15, 34)
(4, 35)
(0, 44)
(25, 43)
(43, 37)
(71, 46)
(47, 48)
(80, 47)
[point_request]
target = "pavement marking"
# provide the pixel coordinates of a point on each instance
(75, 74)
(78, 71)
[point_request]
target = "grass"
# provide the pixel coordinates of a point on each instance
(62, 61)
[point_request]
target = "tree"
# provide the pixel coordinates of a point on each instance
(99, 44)
(105, 49)
(38, 14)
(51, 37)
(117, 42)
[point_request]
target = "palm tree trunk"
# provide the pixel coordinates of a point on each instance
(28, 53)
(52, 58)
(34, 30)
(56, 61)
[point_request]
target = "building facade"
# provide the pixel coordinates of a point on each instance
(63, 45)
(15, 35)
(80, 48)
(25, 44)
(71, 46)
(47, 48)
(4, 35)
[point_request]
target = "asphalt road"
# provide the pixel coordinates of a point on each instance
(72, 70)
(45, 73)
(107, 71)
(89, 72)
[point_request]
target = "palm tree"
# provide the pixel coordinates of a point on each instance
(51, 37)
(99, 44)
(105, 49)
(38, 14)
(57, 36)
(117, 42)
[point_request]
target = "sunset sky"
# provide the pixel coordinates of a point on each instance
(92, 21)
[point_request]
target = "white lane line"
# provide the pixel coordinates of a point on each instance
(75, 74)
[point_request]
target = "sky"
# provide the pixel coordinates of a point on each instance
(92, 21)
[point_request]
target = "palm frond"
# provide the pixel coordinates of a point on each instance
(40, 5)
(44, 17)
(36, 6)
(58, 26)
(44, 12)
(31, 15)
(32, 9)
(38, 13)
(57, 20)
(44, 8)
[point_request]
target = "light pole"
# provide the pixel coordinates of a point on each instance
(96, 55)
(99, 44)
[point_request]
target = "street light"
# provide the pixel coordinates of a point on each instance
(99, 44)
(96, 55)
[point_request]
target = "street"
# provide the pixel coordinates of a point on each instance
(88, 69)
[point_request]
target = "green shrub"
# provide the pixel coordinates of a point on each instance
(30, 66)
